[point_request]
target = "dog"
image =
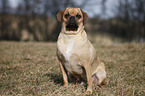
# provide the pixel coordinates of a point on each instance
(76, 54)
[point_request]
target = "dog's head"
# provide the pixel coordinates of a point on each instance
(72, 18)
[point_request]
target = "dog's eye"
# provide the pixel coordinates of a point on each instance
(66, 16)
(78, 16)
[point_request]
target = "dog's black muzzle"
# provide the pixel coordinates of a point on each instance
(72, 24)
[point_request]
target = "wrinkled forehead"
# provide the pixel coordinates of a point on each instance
(73, 11)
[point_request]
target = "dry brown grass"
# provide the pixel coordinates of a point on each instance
(32, 69)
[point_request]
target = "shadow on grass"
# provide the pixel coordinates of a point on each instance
(57, 78)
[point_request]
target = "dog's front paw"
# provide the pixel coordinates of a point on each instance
(88, 92)
(65, 84)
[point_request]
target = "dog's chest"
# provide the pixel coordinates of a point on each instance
(67, 49)
(70, 56)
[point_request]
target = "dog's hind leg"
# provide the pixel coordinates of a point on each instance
(100, 75)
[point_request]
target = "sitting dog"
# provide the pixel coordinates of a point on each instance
(76, 54)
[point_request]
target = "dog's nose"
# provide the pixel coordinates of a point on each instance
(72, 17)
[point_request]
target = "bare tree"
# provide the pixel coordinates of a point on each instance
(131, 19)
(103, 8)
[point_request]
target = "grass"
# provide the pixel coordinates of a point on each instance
(31, 68)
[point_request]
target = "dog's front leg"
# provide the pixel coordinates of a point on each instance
(89, 79)
(65, 78)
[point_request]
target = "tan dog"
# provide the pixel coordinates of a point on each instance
(76, 54)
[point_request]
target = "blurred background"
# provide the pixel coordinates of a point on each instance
(35, 20)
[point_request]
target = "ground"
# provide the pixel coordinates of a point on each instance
(31, 68)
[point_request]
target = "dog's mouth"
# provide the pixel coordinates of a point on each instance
(72, 25)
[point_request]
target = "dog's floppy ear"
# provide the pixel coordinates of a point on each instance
(59, 15)
(85, 16)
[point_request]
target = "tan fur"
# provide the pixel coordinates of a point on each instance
(76, 54)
